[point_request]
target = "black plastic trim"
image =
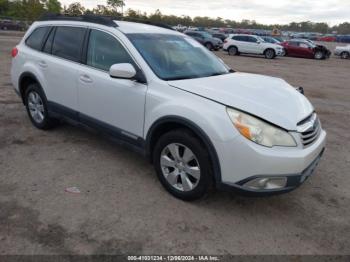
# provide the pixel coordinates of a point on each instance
(124, 137)
(194, 128)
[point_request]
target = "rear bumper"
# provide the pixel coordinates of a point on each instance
(293, 182)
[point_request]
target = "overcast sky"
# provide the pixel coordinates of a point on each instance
(268, 11)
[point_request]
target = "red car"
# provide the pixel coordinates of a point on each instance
(327, 39)
(305, 49)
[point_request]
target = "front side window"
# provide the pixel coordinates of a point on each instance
(105, 50)
(68, 42)
(176, 57)
(35, 40)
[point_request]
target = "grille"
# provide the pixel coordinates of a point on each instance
(310, 130)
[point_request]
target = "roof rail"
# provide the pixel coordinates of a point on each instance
(141, 21)
(96, 19)
(99, 19)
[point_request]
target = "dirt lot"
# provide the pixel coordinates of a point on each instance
(122, 207)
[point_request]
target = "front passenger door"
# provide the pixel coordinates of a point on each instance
(113, 104)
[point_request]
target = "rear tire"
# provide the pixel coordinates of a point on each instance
(183, 165)
(345, 55)
(233, 51)
(36, 104)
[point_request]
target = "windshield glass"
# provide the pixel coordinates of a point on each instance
(260, 39)
(176, 57)
(205, 34)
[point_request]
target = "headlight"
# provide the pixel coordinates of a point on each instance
(260, 131)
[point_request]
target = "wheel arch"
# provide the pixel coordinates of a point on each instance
(345, 52)
(25, 80)
(165, 124)
(269, 48)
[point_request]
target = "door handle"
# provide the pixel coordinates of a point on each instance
(86, 79)
(42, 64)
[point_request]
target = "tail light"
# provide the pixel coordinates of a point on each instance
(14, 52)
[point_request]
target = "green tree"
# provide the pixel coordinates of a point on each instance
(4, 6)
(115, 4)
(104, 10)
(75, 9)
(53, 6)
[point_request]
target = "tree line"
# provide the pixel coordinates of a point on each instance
(30, 10)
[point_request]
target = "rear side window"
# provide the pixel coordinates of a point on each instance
(239, 38)
(104, 51)
(35, 40)
(68, 43)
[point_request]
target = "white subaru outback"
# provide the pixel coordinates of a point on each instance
(202, 124)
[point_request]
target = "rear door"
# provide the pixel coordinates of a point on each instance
(65, 46)
(241, 43)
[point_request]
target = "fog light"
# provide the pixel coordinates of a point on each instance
(267, 183)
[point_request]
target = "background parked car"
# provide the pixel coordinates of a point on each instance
(220, 36)
(342, 51)
(6, 24)
(327, 38)
(343, 38)
(305, 49)
(206, 39)
(251, 44)
(271, 40)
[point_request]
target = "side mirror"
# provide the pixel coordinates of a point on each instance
(122, 71)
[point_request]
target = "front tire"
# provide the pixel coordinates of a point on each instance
(36, 106)
(319, 55)
(183, 165)
(270, 54)
(209, 46)
(345, 55)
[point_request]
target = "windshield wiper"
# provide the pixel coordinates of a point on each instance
(181, 78)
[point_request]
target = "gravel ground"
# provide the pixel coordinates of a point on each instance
(122, 208)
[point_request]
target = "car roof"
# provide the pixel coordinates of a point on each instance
(134, 28)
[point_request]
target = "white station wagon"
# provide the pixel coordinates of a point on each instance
(200, 123)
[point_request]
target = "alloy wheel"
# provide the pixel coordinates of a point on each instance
(180, 167)
(270, 54)
(319, 55)
(345, 55)
(36, 107)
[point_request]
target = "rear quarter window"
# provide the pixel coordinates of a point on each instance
(37, 37)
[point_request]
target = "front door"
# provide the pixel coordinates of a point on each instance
(115, 104)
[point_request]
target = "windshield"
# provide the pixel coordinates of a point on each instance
(205, 34)
(260, 39)
(176, 57)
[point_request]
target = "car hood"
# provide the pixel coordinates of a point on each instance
(269, 98)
